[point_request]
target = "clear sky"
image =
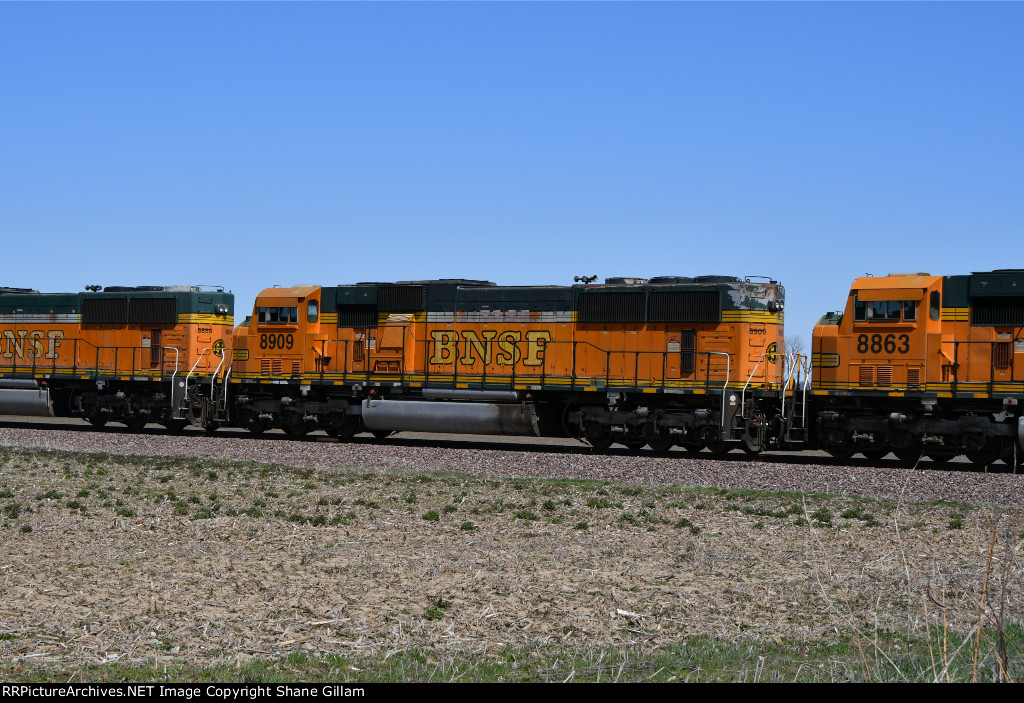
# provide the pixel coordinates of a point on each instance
(249, 145)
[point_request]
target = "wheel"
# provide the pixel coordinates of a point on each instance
(211, 426)
(346, 429)
(939, 457)
(297, 429)
(174, 425)
(874, 454)
(843, 450)
(256, 425)
(382, 434)
(719, 448)
(693, 446)
(136, 422)
(661, 443)
(97, 420)
(634, 444)
(908, 456)
(598, 437)
(988, 454)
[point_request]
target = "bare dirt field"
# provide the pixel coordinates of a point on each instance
(169, 561)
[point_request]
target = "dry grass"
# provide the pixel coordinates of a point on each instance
(186, 563)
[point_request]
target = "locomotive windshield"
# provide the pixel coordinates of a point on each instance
(884, 310)
(279, 316)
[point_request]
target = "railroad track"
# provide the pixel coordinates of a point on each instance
(523, 445)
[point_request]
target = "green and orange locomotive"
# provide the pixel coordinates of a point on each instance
(124, 354)
(919, 363)
(915, 365)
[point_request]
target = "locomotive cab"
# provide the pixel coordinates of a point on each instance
(922, 365)
(280, 337)
(891, 332)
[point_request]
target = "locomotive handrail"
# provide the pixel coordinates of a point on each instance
(213, 378)
(516, 373)
(543, 371)
(227, 405)
(173, 375)
(94, 370)
(804, 365)
(991, 364)
(192, 370)
(743, 393)
(794, 371)
(721, 424)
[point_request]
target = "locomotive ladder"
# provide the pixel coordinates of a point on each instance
(796, 373)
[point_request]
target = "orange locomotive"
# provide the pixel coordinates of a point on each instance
(664, 361)
(131, 355)
(915, 364)
(919, 363)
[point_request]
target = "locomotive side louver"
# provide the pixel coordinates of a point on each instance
(357, 316)
(998, 311)
(685, 306)
(105, 311)
(612, 307)
(401, 298)
(153, 311)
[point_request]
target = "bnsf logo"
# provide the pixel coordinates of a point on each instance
(31, 344)
(446, 345)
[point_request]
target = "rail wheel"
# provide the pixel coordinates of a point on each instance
(660, 443)
(633, 443)
(345, 429)
(97, 421)
(693, 446)
(939, 457)
(297, 429)
(382, 434)
(719, 448)
(135, 423)
(908, 456)
(843, 450)
(256, 425)
(598, 436)
(988, 454)
(174, 426)
(874, 454)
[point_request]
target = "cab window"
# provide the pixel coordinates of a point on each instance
(279, 316)
(935, 305)
(312, 311)
(884, 310)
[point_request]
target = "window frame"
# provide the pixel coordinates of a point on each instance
(272, 315)
(901, 307)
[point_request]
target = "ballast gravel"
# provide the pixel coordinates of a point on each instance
(797, 473)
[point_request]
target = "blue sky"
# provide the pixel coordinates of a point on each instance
(249, 145)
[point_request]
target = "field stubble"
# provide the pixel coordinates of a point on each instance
(175, 561)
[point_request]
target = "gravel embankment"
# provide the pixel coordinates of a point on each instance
(767, 473)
